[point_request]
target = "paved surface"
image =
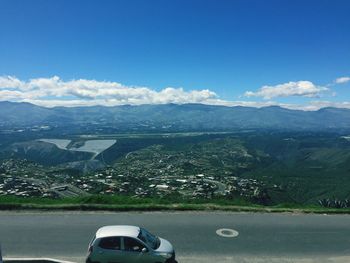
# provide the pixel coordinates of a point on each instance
(262, 237)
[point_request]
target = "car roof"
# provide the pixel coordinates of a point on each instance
(118, 230)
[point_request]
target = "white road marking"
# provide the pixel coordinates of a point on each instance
(37, 259)
(227, 232)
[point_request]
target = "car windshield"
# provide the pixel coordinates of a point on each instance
(149, 238)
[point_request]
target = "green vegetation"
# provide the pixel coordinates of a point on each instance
(125, 203)
(192, 169)
(119, 200)
(306, 167)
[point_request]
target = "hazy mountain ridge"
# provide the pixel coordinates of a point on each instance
(185, 116)
(42, 152)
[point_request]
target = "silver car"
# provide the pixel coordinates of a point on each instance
(129, 244)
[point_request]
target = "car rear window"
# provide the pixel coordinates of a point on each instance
(110, 243)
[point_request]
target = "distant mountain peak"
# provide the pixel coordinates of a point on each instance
(174, 117)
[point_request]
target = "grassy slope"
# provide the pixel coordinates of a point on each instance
(308, 168)
(124, 203)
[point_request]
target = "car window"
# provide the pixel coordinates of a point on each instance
(131, 244)
(148, 238)
(110, 243)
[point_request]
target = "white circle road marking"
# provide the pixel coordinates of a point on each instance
(226, 232)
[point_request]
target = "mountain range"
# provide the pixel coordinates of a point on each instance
(175, 117)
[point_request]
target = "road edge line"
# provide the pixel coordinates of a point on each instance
(35, 259)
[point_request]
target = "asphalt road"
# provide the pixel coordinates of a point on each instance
(262, 237)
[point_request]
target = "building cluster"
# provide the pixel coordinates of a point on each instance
(19, 187)
(192, 186)
(161, 176)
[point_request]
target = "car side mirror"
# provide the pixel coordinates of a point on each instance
(144, 250)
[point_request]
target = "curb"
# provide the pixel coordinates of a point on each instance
(34, 260)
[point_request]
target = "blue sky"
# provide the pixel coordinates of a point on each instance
(215, 52)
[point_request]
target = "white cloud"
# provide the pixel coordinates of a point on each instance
(315, 105)
(54, 91)
(51, 92)
(342, 80)
(299, 88)
(10, 82)
(11, 95)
